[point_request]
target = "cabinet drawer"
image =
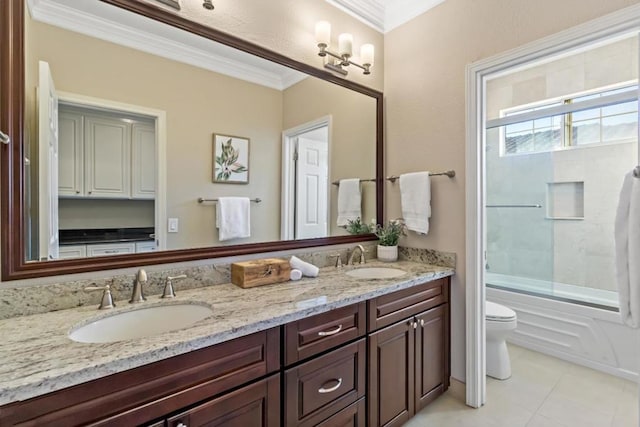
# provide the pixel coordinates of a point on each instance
(111, 249)
(254, 405)
(72, 251)
(321, 387)
(352, 416)
(313, 335)
(391, 308)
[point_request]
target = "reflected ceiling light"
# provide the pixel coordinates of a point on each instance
(342, 59)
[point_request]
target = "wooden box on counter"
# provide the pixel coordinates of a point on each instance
(248, 274)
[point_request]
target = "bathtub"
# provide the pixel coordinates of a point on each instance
(592, 335)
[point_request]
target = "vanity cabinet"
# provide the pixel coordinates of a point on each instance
(409, 360)
(373, 363)
(177, 385)
(105, 157)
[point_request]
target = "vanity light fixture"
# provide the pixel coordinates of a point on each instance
(345, 50)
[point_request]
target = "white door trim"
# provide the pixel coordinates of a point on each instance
(288, 174)
(609, 27)
(160, 117)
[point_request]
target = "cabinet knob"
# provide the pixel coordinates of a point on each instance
(77, 191)
(422, 322)
(331, 332)
(415, 325)
(181, 425)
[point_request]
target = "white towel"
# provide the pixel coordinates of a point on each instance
(232, 218)
(306, 268)
(627, 234)
(295, 274)
(415, 198)
(349, 201)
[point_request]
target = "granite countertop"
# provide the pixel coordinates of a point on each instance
(38, 357)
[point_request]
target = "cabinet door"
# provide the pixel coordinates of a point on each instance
(108, 157)
(70, 155)
(72, 251)
(391, 374)
(143, 161)
(255, 405)
(111, 249)
(351, 416)
(430, 355)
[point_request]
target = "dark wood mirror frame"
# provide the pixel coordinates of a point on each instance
(12, 106)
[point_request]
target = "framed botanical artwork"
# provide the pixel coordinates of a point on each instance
(230, 159)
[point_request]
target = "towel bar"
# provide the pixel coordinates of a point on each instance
(202, 200)
(449, 173)
(362, 180)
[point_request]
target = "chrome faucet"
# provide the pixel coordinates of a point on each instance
(137, 295)
(353, 253)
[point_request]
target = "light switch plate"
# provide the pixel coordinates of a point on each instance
(173, 225)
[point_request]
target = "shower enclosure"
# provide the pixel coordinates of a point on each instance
(561, 134)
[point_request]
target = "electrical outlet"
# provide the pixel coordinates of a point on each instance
(173, 225)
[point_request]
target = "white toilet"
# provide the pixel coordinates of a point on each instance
(501, 321)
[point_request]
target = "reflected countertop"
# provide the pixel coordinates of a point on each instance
(38, 357)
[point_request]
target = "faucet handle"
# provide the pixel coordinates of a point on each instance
(338, 258)
(168, 286)
(107, 299)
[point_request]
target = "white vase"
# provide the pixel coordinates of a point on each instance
(387, 253)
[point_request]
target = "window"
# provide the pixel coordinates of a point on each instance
(612, 123)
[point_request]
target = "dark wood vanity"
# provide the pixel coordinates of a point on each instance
(374, 363)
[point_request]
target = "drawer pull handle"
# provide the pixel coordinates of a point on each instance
(330, 389)
(331, 332)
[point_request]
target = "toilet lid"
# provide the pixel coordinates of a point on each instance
(498, 312)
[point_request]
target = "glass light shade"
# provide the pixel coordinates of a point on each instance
(366, 54)
(345, 44)
(323, 32)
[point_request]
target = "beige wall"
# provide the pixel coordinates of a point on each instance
(424, 84)
(197, 102)
(288, 26)
(353, 137)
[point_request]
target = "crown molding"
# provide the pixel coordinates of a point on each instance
(370, 12)
(114, 25)
(384, 15)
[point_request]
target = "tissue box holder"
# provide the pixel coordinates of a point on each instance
(248, 274)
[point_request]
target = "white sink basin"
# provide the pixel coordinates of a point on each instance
(140, 323)
(376, 273)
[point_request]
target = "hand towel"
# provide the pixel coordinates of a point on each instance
(307, 269)
(295, 274)
(233, 218)
(349, 201)
(415, 198)
(627, 237)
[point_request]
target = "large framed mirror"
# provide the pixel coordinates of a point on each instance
(129, 123)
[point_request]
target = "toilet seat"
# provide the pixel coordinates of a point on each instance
(498, 313)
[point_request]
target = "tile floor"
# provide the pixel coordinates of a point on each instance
(542, 392)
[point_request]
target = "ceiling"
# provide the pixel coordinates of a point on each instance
(384, 15)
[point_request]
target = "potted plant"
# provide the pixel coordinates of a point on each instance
(388, 236)
(356, 226)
